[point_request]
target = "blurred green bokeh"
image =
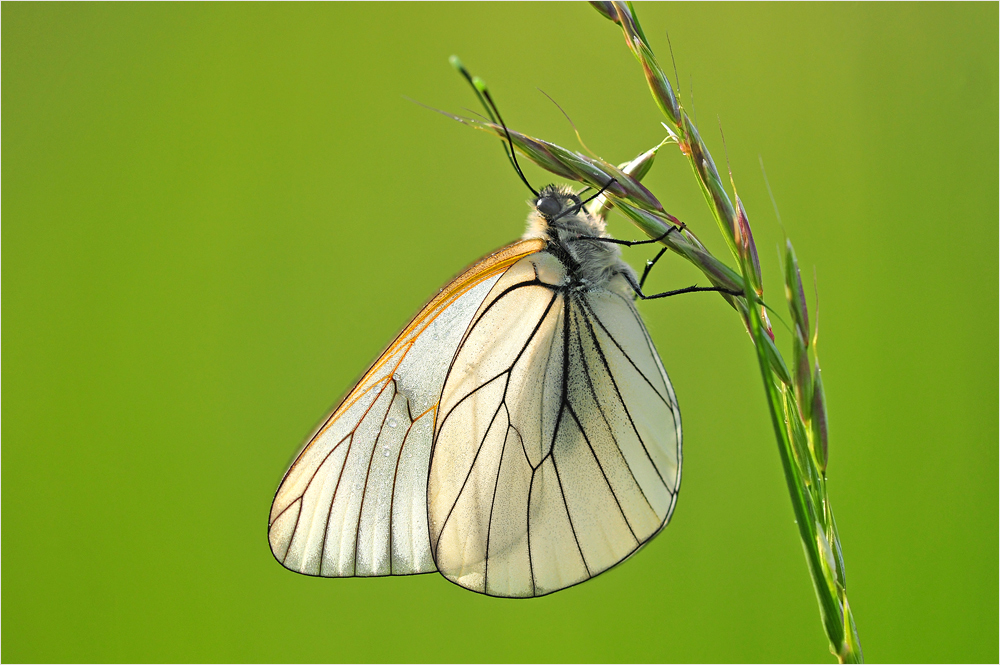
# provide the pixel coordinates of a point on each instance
(216, 215)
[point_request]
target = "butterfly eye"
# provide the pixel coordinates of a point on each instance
(548, 206)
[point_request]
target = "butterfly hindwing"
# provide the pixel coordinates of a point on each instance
(557, 444)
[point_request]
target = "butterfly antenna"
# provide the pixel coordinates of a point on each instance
(576, 208)
(486, 93)
(483, 94)
(457, 64)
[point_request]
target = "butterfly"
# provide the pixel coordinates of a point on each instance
(519, 436)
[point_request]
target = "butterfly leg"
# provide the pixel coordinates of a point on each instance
(632, 243)
(575, 209)
(688, 289)
(649, 266)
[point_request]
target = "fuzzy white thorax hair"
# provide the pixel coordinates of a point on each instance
(599, 261)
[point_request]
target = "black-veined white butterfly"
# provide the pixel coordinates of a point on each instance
(519, 436)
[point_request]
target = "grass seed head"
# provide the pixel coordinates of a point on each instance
(777, 362)
(827, 552)
(819, 423)
(793, 291)
(748, 246)
(803, 377)
(637, 168)
(659, 85)
(606, 9)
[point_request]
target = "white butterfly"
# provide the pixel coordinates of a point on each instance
(519, 436)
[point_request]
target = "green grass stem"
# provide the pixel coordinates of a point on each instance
(794, 394)
(796, 400)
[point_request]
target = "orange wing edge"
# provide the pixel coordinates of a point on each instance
(479, 271)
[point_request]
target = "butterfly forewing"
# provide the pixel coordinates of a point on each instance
(557, 445)
(354, 502)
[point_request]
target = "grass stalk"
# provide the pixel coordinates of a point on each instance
(796, 400)
(794, 394)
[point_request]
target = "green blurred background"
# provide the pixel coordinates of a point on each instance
(216, 215)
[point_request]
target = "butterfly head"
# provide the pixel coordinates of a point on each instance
(557, 208)
(554, 202)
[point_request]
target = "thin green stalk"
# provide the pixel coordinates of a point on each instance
(800, 502)
(795, 399)
(794, 393)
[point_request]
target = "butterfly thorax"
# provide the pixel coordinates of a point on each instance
(558, 218)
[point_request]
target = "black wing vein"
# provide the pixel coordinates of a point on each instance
(604, 417)
(611, 376)
(624, 353)
(472, 466)
(368, 473)
(507, 371)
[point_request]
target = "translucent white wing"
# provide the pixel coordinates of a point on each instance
(354, 502)
(557, 450)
